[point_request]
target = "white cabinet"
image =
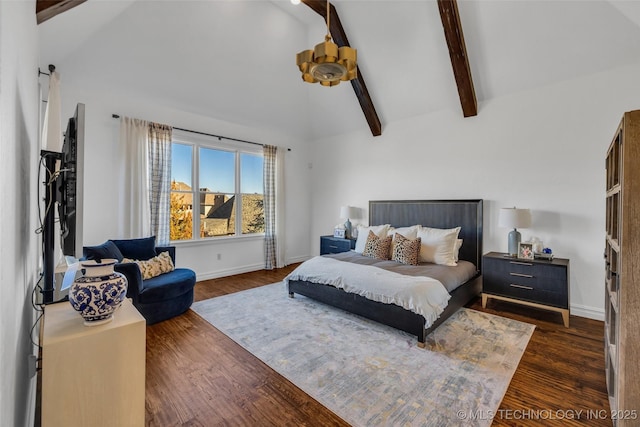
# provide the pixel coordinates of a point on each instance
(93, 375)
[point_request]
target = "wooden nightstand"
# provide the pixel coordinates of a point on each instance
(334, 245)
(536, 283)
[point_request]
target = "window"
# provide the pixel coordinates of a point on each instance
(226, 183)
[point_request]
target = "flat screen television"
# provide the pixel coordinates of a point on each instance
(70, 180)
(65, 190)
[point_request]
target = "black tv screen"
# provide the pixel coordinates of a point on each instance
(70, 199)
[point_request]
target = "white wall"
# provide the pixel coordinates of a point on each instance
(18, 174)
(542, 149)
(101, 136)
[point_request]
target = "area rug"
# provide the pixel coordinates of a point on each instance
(370, 374)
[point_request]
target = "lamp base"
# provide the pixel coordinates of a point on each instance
(347, 229)
(514, 242)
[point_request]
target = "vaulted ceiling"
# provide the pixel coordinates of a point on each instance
(235, 60)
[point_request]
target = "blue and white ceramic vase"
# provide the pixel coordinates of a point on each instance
(99, 292)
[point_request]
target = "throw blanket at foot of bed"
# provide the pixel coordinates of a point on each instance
(422, 295)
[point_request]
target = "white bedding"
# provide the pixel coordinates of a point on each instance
(422, 295)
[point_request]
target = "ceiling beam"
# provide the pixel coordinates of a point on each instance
(47, 9)
(458, 53)
(359, 87)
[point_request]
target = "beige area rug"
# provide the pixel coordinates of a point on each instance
(370, 374)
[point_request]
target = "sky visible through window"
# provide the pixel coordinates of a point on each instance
(217, 169)
(251, 166)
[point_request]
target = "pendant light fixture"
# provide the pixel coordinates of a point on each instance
(327, 63)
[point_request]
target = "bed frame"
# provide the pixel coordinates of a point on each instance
(431, 213)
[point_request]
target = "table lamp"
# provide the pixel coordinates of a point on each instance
(347, 212)
(514, 218)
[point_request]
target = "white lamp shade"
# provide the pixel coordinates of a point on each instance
(514, 218)
(348, 212)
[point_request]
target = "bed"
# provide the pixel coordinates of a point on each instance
(466, 214)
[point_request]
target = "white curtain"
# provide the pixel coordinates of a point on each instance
(269, 180)
(160, 181)
(52, 128)
(280, 217)
(134, 216)
(273, 175)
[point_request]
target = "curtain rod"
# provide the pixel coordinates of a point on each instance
(52, 68)
(116, 116)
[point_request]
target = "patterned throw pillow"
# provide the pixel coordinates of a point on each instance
(155, 266)
(377, 247)
(406, 251)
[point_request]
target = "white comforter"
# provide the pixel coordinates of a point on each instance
(422, 295)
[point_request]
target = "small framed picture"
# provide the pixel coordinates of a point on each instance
(525, 250)
(338, 232)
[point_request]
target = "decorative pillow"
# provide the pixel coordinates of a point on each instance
(456, 249)
(377, 247)
(438, 245)
(155, 266)
(408, 232)
(363, 234)
(107, 250)
(406, 251)
(144, 248)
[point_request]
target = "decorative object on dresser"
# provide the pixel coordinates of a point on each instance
(536, 283)
(99, 292)
(525, 250)
(546, 253)
(537, 244)
(334, 245)
(514, 218)
(622, 280)
(348, 212)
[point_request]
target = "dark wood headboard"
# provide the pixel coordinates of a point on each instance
(436, 214)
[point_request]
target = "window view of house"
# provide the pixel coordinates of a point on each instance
(227, 185)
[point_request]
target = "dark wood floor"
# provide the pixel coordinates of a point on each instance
(196, 376)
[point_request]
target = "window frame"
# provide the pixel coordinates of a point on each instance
(197, 141)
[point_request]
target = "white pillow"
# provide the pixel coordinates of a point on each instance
(437, 245)
(363, 233)
(408, 232)
(456, 249)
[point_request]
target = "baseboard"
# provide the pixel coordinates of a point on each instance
(242, 269)
(229, 272)
(298, 259)
(588, 312)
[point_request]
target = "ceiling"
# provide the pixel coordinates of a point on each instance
(234, 60)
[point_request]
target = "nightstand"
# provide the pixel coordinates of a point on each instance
(536, 283)
(334, 245)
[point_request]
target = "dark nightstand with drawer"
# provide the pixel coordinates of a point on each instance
(334, 245)
(537, 283)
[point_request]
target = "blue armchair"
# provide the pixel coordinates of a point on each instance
(158, 298)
